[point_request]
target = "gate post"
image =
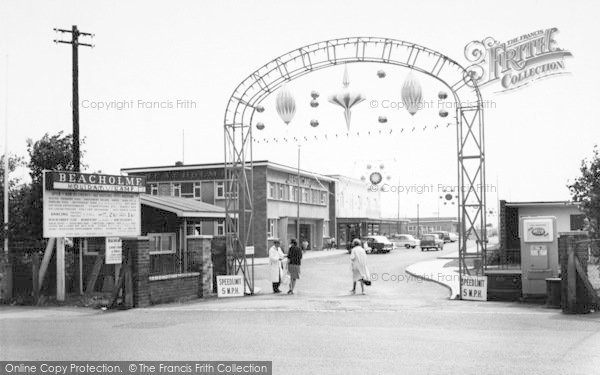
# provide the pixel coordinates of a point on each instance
(576, 298)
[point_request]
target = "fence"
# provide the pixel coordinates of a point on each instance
(503, 259)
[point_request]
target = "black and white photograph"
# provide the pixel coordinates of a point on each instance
(299, 187)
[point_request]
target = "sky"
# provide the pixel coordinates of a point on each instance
(189, 56)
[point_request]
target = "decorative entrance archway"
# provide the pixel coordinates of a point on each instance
(248, 95)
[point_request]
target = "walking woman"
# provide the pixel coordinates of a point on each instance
(358, 258)
(294, 261)
(275, 258)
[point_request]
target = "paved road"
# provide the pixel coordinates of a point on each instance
(397, 328)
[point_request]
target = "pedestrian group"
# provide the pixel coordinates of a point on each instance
(285, 268)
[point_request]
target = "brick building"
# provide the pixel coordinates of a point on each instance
(276, 194)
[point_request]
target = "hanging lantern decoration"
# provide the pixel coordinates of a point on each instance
(375, 178)
(260, 109)
(382, 119)
(260, 126)
(411, 94)
(443, 113)
(442, 95)
(314, 94)
(346, 98)
(314, 123)
(285, 104)
(314, 103)
(381, 73)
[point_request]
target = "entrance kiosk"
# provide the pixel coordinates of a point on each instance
(539, 253)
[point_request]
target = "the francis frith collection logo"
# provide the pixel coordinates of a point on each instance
(517, 62)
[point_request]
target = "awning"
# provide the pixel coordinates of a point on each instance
(183, 207)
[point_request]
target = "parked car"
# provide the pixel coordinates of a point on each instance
(443, 235)
(453, 237)
(431, 241)
(377, 244)
(405, 240)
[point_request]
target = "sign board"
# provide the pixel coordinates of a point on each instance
(91, 205)
(230, 286)
(249, 250)
(114, 250)
(95, 182)
(538, 230)
(538, 250)
(474, 288)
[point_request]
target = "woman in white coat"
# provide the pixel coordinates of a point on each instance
(360, 272)
(276, 269)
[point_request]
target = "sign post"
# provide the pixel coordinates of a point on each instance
(230, 286)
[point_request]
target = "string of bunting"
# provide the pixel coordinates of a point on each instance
(326, 137)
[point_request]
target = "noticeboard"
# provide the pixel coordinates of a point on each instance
(91, 205)
(114, 250)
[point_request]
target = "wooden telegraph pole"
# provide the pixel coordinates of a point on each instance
(60, 250)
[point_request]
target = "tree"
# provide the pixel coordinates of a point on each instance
(48, 153)
(586, 191)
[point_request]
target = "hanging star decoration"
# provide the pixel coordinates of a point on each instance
(346, 98)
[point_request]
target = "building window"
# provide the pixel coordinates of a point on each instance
(315, 196)
(194, 229)
(153, 189)
(305, 195)
(271, 190)
(293, 194)
(197, 190)
(271, 228)
(324, 198)
(220, 189)
(281, 189)
(187, 190)
(220, 228)
(176, 190)
(162, 243)
(576, 222)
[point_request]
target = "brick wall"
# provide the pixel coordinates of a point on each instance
(176, 288)
(168, 288)
(140, 262)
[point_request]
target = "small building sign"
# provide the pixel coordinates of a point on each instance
(249, 250)
(538, 230)
(474, 288)
(114, 250)
(230, 286)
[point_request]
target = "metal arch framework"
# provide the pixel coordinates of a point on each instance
(248, 95)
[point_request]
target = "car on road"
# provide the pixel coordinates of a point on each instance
(453, 237)
(445, 236)
(431, 241)
(405, 240)
(377, 244)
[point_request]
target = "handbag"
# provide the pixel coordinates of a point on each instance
(285, 278)
(367, 282)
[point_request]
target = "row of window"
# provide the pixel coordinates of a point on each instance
(188, 189)
(429, 228)
(285, 192)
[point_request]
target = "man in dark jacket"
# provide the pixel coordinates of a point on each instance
(294, 261)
